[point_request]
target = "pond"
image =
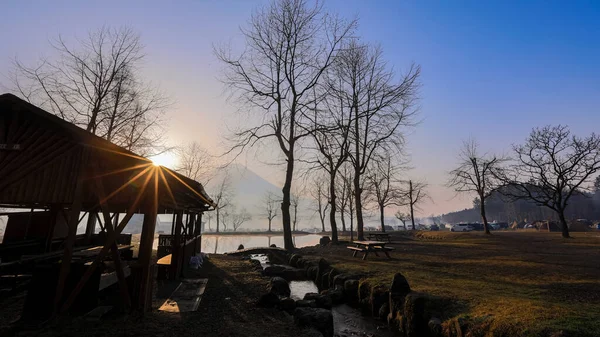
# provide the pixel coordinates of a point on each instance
(218, 244)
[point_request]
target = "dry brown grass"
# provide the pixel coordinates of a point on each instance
(529, 282)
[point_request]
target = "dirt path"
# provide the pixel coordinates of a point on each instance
(227, 309)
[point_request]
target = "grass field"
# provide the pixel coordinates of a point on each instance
(513, 283)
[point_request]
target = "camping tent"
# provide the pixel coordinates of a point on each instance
(580, 225)
(516, 225)
(547, 226)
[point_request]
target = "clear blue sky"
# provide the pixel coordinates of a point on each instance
(491, 69)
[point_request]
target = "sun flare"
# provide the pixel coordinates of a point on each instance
(166, 159)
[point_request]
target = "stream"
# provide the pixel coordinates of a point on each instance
(347, 321)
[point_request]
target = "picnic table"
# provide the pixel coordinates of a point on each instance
(367, 247)
(378, 236)
(94, 251)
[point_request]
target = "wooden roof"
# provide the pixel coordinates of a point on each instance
(42, 156)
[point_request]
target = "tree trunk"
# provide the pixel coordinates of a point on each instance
(412, 209)
(486, 227)
(288, 243)
(412, 216)
(381, 209)
(332, 210)
(218, 209)
(563, 224)
(269, 224)
(358, 201)
(342, 217)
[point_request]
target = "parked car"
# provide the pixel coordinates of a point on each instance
(434, 228)
(494, 226)
(461, 228)
(477, 226)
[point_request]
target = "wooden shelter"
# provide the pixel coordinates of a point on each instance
(51, 165)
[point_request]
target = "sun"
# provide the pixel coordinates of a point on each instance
(166, 159)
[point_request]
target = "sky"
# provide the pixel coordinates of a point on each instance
(491, 70)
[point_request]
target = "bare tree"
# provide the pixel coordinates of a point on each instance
(551, 167)
(222, 195)
(295, 203)
(476, 173)
(402, 217)
(238, 218)
(195, 162)
(289, 45)
(270, 207)
(96, 86)
(320, 194)
(346, 175)
(343, 192)
(414, 194)
(384, 186)
(381, 107)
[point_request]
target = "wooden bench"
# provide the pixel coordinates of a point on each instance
(356, 250)
(162, 265)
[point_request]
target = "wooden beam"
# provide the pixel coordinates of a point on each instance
(90, 227)
(113, 247)
(145, 275)
(110, 239)
(72, 222)
(176, 246)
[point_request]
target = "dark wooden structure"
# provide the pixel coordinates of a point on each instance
(51, 165)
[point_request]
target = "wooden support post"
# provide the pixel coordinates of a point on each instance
(173, 225)
(90, 227)
(176, 247)
(54, 210)
(143, 290)
(72, 221)
(191, 224)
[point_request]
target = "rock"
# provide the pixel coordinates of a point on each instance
(319, 319)
(322, 268)
(273, 245)
(414, 312)
(286, 272)
(324, 241)
(274, 270)
(379, 297)
(279, 287)
(311, 272)
(384, 310)
(351, 290)
(293, 274)
(337, 295)
(240, 247)
(332, 273)
(294, 260)
(325, 281)
(435, 327)
(398, 291)
(268, 300)
(310, 332)
(306, 304)
(322, 301)
(287, 304)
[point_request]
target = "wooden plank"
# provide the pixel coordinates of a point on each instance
(186, 297)
(106, 280)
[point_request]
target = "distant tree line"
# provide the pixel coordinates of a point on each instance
(549, 176)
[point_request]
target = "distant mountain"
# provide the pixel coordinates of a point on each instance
(249, 189)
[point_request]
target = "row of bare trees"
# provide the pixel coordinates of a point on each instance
(318, 89)
(548, 169)
(96, 83)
